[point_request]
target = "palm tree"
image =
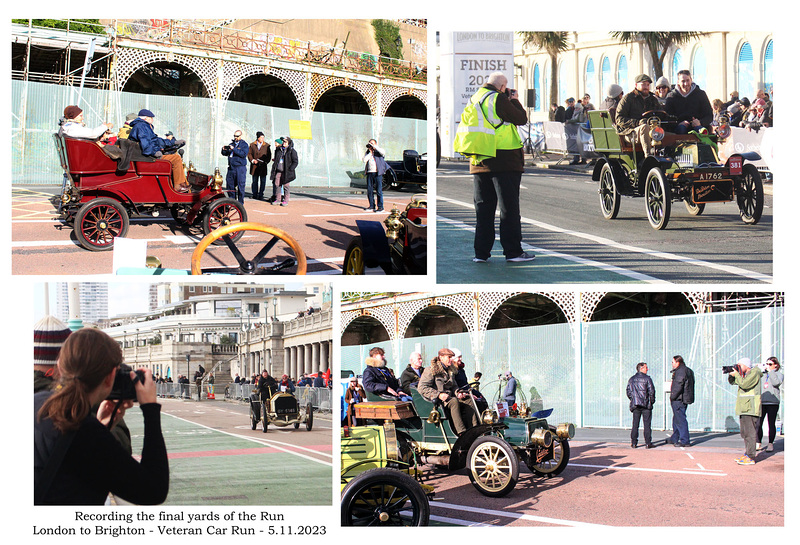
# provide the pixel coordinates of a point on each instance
(553, 43)
(657, 43)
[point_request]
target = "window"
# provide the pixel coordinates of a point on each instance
(590, 82)
(537, 88)
(768, 83)
(699, 68)
(606, 79)
(562, 86)
(622, 71)
(677, 65)
(745, 81)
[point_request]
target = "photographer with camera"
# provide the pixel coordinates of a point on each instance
(748, 405)
(77, 461)
(497, 163)
(235, 180)
(374, 170)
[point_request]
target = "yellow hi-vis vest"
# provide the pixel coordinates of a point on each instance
(481, 131)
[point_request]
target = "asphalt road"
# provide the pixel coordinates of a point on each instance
(217, 459)
(322, 223)
(563, 226)
(610, 484)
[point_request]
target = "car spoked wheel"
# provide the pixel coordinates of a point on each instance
(384, 497)
(99, 222)
(750, 195)
(553, 465)
(221, 213)
(609, 196)
(493, 466)
(658, 195)
(354, 257)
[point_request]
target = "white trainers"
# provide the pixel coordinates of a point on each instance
(479, 260)
(524, 256)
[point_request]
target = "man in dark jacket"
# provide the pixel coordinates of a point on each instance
(160, 148)
(681, 396)
(642, 393)
(410, 376)
(259, 155)
(235, 180)
(629, 120)
(689, 104)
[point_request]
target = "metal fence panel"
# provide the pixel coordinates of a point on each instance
(332, 158)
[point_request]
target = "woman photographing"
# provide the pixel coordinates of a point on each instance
(77, 461)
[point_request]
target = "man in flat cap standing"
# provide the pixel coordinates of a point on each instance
(438, 382)
(629, 120)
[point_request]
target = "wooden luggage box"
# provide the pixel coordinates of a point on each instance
(385, 410)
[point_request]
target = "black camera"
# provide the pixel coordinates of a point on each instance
(124, 385)
(510, 92)
(728, 369)
(369, 146)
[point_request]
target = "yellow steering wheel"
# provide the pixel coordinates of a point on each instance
(250, 266)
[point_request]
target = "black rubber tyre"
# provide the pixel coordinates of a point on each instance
(310, 419)
(750, 195)
(493, 466)
(99, 222)
(658, 195)
(253, 419)
(223, 212)
(354, 257)
(609, 196)
(264, 418)
(384, 497)
(551, 468)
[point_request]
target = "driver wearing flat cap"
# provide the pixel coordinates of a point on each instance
(438, 382)
(629, 121)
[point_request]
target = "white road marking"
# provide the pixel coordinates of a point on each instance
(580, 260)
(505, 514)
(730, 269)
(710, 473)
(274, 444)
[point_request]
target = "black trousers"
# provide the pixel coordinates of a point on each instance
(770, 412)
(492, 191)
(646, 416)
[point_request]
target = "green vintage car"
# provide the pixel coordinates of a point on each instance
(421, 433)
(683, 168)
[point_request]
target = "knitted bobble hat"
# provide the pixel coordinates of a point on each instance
(48, 336)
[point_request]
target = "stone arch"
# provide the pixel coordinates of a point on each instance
(390, 93)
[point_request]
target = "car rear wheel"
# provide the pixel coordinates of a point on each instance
(222, 212)
(493, 466)
(99, 222)
(555, 465)
(354, 257)
(750, 195)
(609, 196)
(253, 419)
(658, 195)
(384, 497)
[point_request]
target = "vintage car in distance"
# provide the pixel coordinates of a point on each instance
(490, 451)
(401, 249)
(281, 409)
(412, 170)
(99, 200)
(683, 168)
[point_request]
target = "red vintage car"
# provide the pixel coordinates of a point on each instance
(99, 200)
